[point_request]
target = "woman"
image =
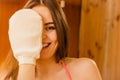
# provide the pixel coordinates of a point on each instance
(53, 63)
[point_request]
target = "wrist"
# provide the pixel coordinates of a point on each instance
(26, 60)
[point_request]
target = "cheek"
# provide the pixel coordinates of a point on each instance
(52, 36)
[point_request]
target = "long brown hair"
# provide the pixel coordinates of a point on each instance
(10, 67)
(59, 22)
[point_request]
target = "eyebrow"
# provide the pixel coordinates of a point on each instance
(49, 23)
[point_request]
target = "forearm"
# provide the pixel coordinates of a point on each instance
(26, 72)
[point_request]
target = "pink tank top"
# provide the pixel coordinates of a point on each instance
(66, 70)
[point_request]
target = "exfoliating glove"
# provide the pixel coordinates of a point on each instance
(25, 35)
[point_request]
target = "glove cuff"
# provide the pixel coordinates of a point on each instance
(26, 60)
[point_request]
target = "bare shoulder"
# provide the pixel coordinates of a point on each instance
(83, 68)
(80, 62)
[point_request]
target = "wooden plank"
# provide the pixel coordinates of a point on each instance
(72, 12)
(112, 61)
(92, 31)
(75, 2)
(100, 35)
(15, 2)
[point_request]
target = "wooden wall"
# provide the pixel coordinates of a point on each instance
(112, 56)
(72, 11)
(7, 8)
(92, 30)
(100, 35)
(97, 37)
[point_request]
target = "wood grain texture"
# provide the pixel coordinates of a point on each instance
(112, 55)
(92, 30)
(100, 35)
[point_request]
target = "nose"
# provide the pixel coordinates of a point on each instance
(44, 34)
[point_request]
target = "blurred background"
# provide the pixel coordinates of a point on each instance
(94, 26)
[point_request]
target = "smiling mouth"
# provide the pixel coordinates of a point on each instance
(46, 45)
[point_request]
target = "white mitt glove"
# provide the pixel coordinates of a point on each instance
(25, 35)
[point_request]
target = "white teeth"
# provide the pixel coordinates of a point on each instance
(45, 45)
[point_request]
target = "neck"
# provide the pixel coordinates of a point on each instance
(47, 66)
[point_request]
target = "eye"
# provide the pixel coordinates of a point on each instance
(48, 28)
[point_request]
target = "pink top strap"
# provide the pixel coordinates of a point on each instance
(66, 70)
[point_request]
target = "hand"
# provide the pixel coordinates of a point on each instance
(25, 35)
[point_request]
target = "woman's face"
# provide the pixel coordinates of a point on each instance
(49, 36)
